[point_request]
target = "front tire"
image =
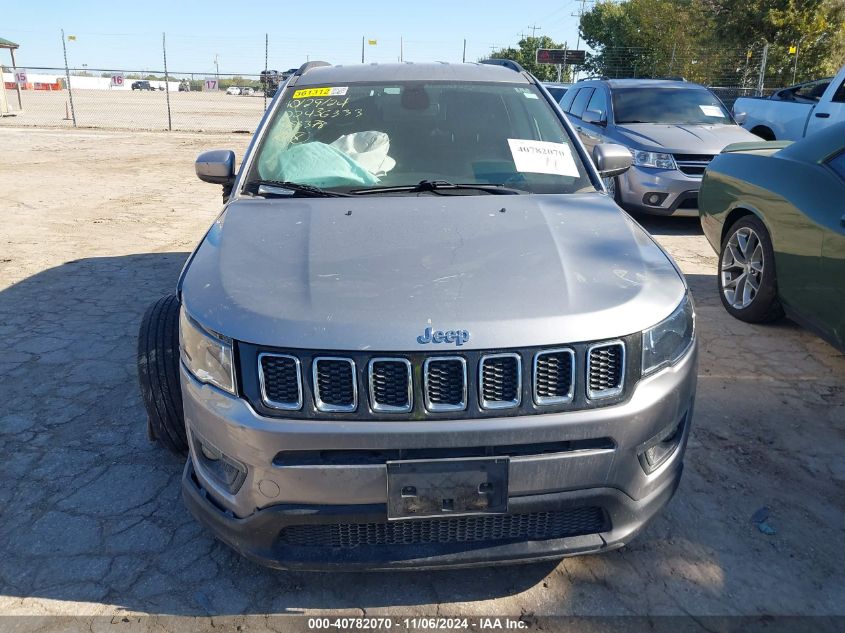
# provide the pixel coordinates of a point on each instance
(747, 278)
(158, 374)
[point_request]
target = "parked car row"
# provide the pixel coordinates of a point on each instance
(422, 333)
(245, 91)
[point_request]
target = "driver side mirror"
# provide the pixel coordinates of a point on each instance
(594, 118)
(217, 167)
(740, 117)
(611, 159)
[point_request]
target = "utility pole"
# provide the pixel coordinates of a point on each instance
(217, 66)
(762, 80)
(67, 78)
(534, 28)
(362, 48)
(401, 49)
(579, 15)
(464, 59)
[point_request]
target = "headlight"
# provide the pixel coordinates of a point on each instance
(207, 356)
(653, 159)
(667, 341)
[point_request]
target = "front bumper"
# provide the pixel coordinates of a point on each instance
(353, 496)
(678, 191)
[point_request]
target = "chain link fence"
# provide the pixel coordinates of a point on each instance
(135, 99)
(71, 94)
(730, 72)
(165, 99)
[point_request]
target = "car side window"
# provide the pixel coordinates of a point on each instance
(598, 102)
(580, 103)
(568, 98)
(839, 95)
(837, 164)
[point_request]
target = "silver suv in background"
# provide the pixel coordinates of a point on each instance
(673, 130)
(420, 333)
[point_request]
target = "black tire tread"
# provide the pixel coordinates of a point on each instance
(158, 373)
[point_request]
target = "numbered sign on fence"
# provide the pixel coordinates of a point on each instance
(210, 84)
(20, 77)
(118, 80)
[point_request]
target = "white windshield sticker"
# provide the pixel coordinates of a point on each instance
(543, 157)
(711, 110)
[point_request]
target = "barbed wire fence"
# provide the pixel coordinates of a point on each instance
(158, 98)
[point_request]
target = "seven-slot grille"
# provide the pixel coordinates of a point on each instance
(554, 376)
(605, 369)
(445, 383)
(390, 385)
(500, 386)
(281, 381)
(465, 384)
(335, 384)
(693, 164)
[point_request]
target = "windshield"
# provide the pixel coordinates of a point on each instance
(674, 106)
(371, 136)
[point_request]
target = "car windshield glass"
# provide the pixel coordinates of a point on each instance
(369, 136)
(677, 106)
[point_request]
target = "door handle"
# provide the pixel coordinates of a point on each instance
(823, 115)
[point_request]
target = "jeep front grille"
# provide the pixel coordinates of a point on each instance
(335, 384)
(281, 381)
(605, 369)
(390, 385)
(445, 383)
(360, 385)
(501, 381)
(554, 376)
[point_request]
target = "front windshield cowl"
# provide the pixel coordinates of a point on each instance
(387, 138)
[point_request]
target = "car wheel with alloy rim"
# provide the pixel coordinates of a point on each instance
(747, 279)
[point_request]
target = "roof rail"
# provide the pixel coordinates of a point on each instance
(308, 66)
(594, 77)
(507, 63)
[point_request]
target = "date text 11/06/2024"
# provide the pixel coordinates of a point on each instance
(386, 623)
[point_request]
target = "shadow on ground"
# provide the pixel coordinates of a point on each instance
(91, 510)
(668, 225)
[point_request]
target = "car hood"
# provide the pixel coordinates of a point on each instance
(373, 273)
(684, 139)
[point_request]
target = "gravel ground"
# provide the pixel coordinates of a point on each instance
(96, 225)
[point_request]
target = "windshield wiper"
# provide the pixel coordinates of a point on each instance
(435, 186)
(284, 188)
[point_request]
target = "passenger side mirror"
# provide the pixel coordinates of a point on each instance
(216, 166)
(611, 159)
(740, 117)
(594, 117)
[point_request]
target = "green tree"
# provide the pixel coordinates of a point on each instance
(526, 56)
(815, 27)
(715, 41)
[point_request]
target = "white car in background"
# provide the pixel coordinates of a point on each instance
(247, 91)
(233, 90)
(790, 117)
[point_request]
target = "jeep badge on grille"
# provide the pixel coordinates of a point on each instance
(458, 337)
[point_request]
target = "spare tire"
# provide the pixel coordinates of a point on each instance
(158, 374)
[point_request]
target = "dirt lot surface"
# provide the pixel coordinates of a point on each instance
(96, 225)
(137, 110)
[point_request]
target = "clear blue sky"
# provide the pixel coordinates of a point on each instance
(127, 35)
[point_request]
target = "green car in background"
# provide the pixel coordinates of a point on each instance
(775, 214)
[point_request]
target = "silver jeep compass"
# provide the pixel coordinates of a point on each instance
(421, 333)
